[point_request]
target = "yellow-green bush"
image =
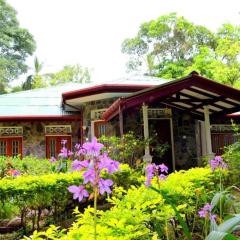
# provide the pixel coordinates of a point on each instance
(141, 213)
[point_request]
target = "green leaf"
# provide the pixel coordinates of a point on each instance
(228, 225)
(216, 199)
(215, 235)
(180, 219)
(213, 226)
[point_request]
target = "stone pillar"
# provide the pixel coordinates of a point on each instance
(147, 157)
(207, 131)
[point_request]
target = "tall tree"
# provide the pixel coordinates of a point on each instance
(171, 46)
(170, 43)
(35, 80)
(16, 44)
(71, 73)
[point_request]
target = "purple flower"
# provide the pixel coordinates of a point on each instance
(218, 159)
(207, 207)
(64, 152)
(213, 164)
(70, 153)
(202, 213)
(163, 168)
(150, 168)
(89, 176)
(206, 212)
(16, 173)
(224, 166)
(79, 165)
(77, 146)
(217, 162)
(108, 164)
(212, 216)
(52, 160)
(63, 142)
(78, 192)
(104, 186)
(81, 151)
(153, 170)
(162, 177)
(93, 148)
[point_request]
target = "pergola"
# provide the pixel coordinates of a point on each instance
(203, 98)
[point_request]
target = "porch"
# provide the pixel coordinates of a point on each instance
(193, 101)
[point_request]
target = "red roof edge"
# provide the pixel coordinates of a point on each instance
(233, 115)
(40, 117)
(112, 111)
(104, 88)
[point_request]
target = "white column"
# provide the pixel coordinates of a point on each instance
(207, 131)
(147, 157)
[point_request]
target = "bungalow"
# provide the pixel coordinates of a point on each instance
(189, 115)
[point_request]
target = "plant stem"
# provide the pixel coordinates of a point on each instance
(220, 200)
(166, 229)
(194, 217)
(95, 213)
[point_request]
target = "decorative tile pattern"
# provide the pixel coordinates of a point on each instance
(11, 131)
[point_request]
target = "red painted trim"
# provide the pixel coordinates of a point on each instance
(104, 88)
(165, 90)
(233, 115)
(58, 139)
(40, 117)
(9, 140)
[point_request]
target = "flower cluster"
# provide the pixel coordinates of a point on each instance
(92, 167)
(155, 170)
(217, 162)
(205, 212)
(14, 173)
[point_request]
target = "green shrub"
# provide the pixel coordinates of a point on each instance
(140, 213)
(129, 149)
(27, 165)
(232, 157)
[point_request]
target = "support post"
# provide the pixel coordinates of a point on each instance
(207, 131)
(147, 157)
(121, 122)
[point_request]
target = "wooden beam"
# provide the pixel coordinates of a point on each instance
(207, 102)
(196, 115)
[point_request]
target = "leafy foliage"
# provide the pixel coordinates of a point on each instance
(170, 47)
(16, 44)
(141, 213)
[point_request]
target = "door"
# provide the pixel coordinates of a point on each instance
(54, 145)
(161, 142)
(11, 146)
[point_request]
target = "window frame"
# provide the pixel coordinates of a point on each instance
(9, 145)
(47, 150)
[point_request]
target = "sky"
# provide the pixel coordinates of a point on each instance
(90, 32)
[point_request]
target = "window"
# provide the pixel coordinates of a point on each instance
(100, 128)
(54, 145)
(11, 146)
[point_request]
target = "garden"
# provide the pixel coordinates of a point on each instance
(103, 191)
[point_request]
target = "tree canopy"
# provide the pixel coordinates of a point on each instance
(69, 73)
(171, 47)
(16, 44)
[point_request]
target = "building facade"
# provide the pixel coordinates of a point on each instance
(189, 116)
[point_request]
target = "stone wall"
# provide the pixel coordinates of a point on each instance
(184, 134)
(34, 142)
(112, 128)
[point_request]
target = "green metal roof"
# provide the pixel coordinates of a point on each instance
(48, 101)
